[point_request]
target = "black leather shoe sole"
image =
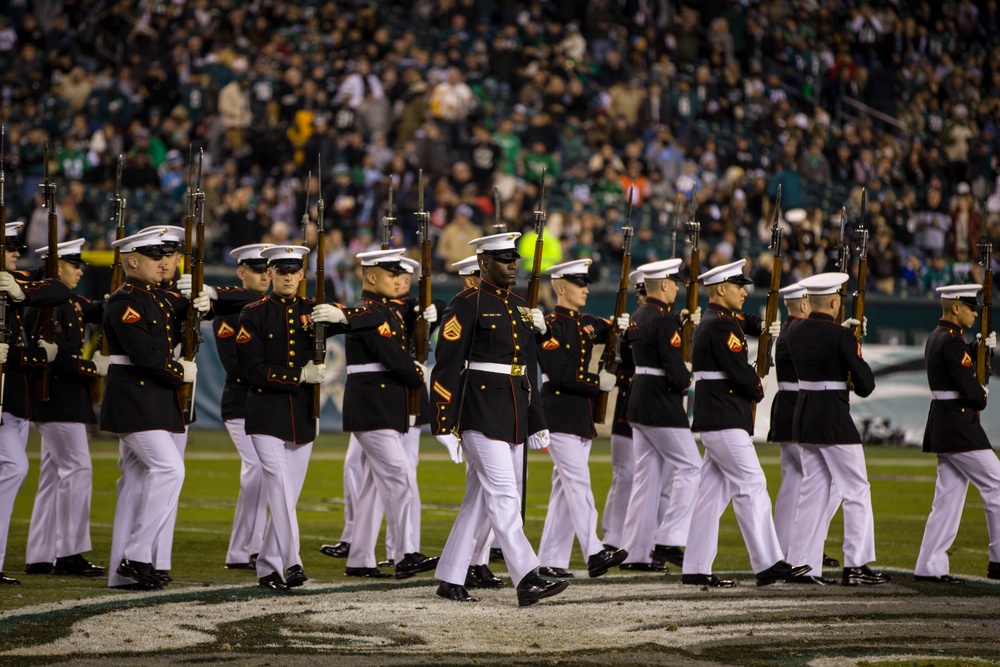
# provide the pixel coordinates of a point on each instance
(528, 599)
(406, 570)
(273, 582)
(769, 577)
(38, 568)
(138, 586)
(79, 570)
(367, 573)
(643, 567)
(239, 566)
(829, 561)
(709, 580)
(809, 580)
(295, 576)
(141, 572)
(943, 579)
(4, 579)
(555, 573)
(453, 592)
(338, 550)
(613, 558)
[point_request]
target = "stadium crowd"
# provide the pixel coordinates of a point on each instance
(722, 99)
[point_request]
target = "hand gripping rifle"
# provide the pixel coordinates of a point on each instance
(319, 328)
(117, 273)
(859, 295)
(983, 370)
(4, 301)
(48, 316)
(422, 329)
(192, 326)
(613, 348)
(388, 221)
(843, 258)
(536, 265)
(693, 240)
(764, 358)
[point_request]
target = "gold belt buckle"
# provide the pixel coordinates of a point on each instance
(516, 370)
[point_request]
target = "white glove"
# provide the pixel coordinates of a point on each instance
(539, 440)
(763, 384)
(202, 302)
(312, 373)
(51, 349)
(328, 313)
(453, 444)
(190, 370)
(622, 321)
(10, 286)
(184, 285)
(986, 390)
(101, 362)
(689, 366)
(774, 329)
(538, 320)
(695, 319)
(851, 323)
(607, 380)
(431, 314)
(4, 349)
(991, 340)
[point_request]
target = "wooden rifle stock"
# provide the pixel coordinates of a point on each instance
(4, 301)
(693, 239)
(983, 370)
(764, 357)
(536, 265)
(319, 328)
(192, 326)
(859, 296)
(117, 275)
(422, 329)
(47, 316)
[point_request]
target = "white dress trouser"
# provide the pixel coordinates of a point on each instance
(622, 471)
(411, 445)
(954, 473)
(152, 473)
(662, 456)
(164, 546)
(825, 467)
(571, 503)
(285, 465)
(487, 539)
(490, 495)
(731, 471)
(60, 518)
(352, 485)
(387, 477)
(787, 501)
(13, 470)
(251, 503)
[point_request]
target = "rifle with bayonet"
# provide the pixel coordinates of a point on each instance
(422, 329)
(319, 328)
(499, 226)
(764, 355)
(983, 370)
(843, 259)
(47, 317)
(693, 240)
(196, 254)
(4, 300)
(859, 296)
(536, 265)
(388, 221)
(117, 271)
(675, 228)
(613, 348)
(304, 224)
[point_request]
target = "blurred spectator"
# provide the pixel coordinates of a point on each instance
(453, 244)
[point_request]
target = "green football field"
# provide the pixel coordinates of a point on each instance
(902, 487)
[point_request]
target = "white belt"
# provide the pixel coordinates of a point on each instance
(120, 360)
(516, 370)
(805, 385)
(788, 386)
(649, 370)
(366, 368)
(945, 395)
(710, 375)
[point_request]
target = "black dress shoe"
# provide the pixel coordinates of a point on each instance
(942, 579)
(479, 576)
(643, 567)
(709, 580)
(604, 559)
(388, 562)
(138, 586)
(272, 582)
(830, 561)
(338, 550)
(496, 555)
(38, 568)
(810, 580)
(253, 561)
(555, 573)
(141, 572)
(664, 554)
(993, 570)
(4, 579)
(779, 572)
(610, 546)
(415, 563)
(863, 576)
(533, 588)
(454, 592)
(367, 573)
(77, 566)
(295, 576)
(164, 576)
(240, 566)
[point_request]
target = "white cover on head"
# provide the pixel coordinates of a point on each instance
(661, 269)
(74, 247)
(793, 291)
(824, 283)
(722, 273)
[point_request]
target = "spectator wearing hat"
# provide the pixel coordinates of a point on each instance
(59, 532)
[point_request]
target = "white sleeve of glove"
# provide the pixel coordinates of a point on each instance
(431, 314)
(539, 440)
(607, 380)
(622, 321)
(687, 365)
(312, 373)
(10, 286)
(696, 317)
(212, 293)
(454, 445)
(202, 303)
(184, 285)
(850, 323)
(4, 350)
(538, 320)
(424, 369)
(51, 349)
(775, 329)
(763, 384)
(102, 363)
(190, 370)
(328, 313)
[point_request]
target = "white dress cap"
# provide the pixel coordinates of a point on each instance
(389, 259)
(246, 254)
(665, 268)
(637, 277)
(966, 293)
(67, 250)
(410, 266)
(578, 267)
(824, 283)
(500, 246)
(468, 266)
(282, 256)
(727, 273)
(169, 234)
(147, 242)
(793, 291)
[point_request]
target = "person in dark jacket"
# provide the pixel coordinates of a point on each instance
(955, 434)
